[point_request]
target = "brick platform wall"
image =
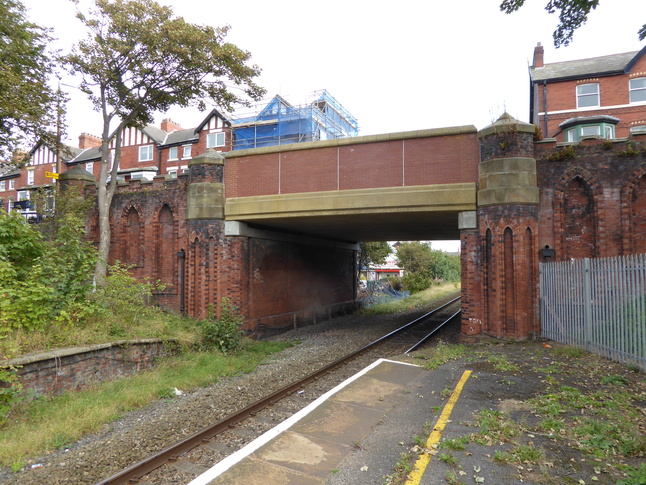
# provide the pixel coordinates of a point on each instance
(72, 369)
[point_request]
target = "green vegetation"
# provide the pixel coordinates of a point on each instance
(49, 423)
(423, 298)
(442, 354)
(423, 266)
(221, 333)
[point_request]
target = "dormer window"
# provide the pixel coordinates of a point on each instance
(638, 90)
(587, 95)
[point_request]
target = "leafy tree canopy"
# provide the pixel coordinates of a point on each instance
(572, 15)
(27, 103)
(374, 252)
(138, 59)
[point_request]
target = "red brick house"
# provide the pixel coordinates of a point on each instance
(601, 97)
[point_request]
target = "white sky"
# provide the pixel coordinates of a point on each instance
(396, 66)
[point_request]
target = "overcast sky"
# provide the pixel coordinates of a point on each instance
(396, 66)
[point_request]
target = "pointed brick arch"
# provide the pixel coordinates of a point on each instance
(166, 247)
(578, 215)
(633, 212)
(132, 226)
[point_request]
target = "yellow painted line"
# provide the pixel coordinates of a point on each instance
(422, 462)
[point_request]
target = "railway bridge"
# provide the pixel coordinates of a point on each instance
(276, 229)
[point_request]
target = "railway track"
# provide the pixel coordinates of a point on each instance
(195, 454)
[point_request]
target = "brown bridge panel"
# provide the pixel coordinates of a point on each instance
(438, 156)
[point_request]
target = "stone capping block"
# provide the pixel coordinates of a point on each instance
(205, 201)
(57, 354)
(508, 195)
(506, 124)
(209, 157)
(337, 142)
(467, 220)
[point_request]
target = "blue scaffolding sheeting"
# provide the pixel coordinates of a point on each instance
(280, 123)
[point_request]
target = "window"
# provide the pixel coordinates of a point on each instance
(215, 140)
(633, 129)
(587, 95)
(3, 185)
(172, 153)
(186, 151)
(638, 90)
(146, 153)
(12, 184)
(89, 166)
(173, 173)
(23, 195)
(578, 132)
(30, 177)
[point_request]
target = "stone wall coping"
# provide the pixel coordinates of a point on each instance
(356, 140)
(54, 354)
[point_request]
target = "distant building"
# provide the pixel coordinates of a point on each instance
(601, 97)
(280, 123)
(165, 151)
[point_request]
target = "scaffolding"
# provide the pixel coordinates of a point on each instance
(280, 123)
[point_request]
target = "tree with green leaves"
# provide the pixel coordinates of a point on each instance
(373, 253)
(28, 105)
(138, 59)
(423, 265)
(572, 15)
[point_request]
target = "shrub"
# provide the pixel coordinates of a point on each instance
(124, 296)
(222, 332)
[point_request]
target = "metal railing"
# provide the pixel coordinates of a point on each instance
(598, 305)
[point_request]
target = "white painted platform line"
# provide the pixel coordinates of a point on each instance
(242, 453)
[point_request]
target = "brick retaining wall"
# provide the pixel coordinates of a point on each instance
(72, 369)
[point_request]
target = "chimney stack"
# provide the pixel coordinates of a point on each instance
(88, 141)
(538, 56)
(169, 125)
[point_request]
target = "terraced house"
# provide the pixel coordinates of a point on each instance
(600, 97)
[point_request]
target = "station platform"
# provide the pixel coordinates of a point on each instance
(355, 433)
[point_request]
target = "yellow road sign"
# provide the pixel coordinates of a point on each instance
(51, 175)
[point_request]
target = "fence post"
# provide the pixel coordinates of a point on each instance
(587, 308)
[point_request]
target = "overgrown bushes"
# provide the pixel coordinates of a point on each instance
(222, 332)
(423, 266)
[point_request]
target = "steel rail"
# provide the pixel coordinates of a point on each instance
(430, 334)
(133, 473)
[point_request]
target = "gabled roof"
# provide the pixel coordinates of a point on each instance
(594, 67)
(88, 155)
(181, 136)
(67, 152)
(155, 133)
(214, 112)
(10, 174)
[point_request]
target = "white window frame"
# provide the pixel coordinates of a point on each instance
(640, 90)
(89, 166)
(3, 185)
(146, 153)
(31, 175)
(12, 184)
(23, 195)
(172, 153)
(583, 96)
(186, 151)
(216, 139)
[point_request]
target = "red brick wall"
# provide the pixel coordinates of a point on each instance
(416, 161)
(67, 370)
(614, 92)
(591, 202)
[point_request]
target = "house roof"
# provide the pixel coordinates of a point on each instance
(583, 68)
(88, 155)
(181, 136)
(10, 174)
(214, 112)
(155, 133)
